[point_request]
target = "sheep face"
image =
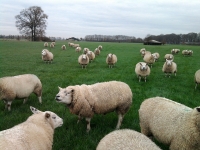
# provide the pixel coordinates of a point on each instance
(169, 62)
(64, 95)
(44, 53)
(143, 67)
(53, 119)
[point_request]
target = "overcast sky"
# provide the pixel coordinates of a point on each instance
(78, 18)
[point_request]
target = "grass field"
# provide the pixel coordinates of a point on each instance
(25, 57)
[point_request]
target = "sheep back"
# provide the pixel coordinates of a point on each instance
(170, 123)
(148, 58)
(126, 139)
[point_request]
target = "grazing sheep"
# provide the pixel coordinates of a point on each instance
(97, 52)
(142, 70)
(171, 123)
(168, 56)
(100, 47)
(100, 98)
(156, 56)
(190, 52)
(91, 55)
(177, 51)
(46, 44)
(51, 45)
(70, 44)
(47, 56)
(54, 43)
(63, 47)
(76, 45)
(78, 49)
(169, 67)
(185, 52)
(197, 78)
(126, 139)
(111, 60)
(83, 60)
(149, 58)
(20, 86)
(36, 133)
(142, 52)
(173, 51)
(85, 50)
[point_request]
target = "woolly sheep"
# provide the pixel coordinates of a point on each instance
(83, 60)
(126, 139)
(149, 58)
(173, 51)
(177, 51)
(70, 44)
(168, 56)
(47, 56)
(91, 55)
(190, 52)
(100, 47)
(197, 78)
(100, 98)
(142, 70)
(63, 47)
(97, 51)
(169, 67)
(184, 52)
(36, 133)
(52, 45)
(20, 86)
(156, 56)
(78, 49)
(142, 52)
(85, 50)
(171, 123)
(76, 45)
(46, 44)
(111, 60)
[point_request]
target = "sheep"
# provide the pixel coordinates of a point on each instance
(126, 139)
(169, 67)
(168, 56)
(46, 44)
(91, 55)
(36, 133)
(99, 98)
(97, 52)
(142, 70)
(177, 51)
(63, 47)
(70, 44)
(47, 56)
(83, 60)
(76, 45)
(85, 50)
(20, 86)
(78, 49)
(142, 52)
(111, 60)
(54, 43)
(156, 56)
(51, 45)
(190, 52)
(173, 51)
(149, 58)
(171, 123)
(197, 78)
(185, 52)
(100, 47)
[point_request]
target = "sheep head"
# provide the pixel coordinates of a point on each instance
(44, 52)
(65, 95)
(143, 66)
(169, 62)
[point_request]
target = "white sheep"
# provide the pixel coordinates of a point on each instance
(63, 47)
(20, 86)
(169, 67)
(149, 58)
(142, 70)
(85, 50)
(47, 56)
(91, 55)
(36, 133)
(46, 44)
(52, 45)
(97, 51)
(177, 51)
(142, 52)
(111, 60)
(168, 56)
(156, 56)
(100, 47)
(190, 52)
(76, 45)
(197, 78)
(126, 139)
(173, 51)
(78, 49)
(100, 98)
(171, 123)
(83, 60)
(185, 52)
(70, 44)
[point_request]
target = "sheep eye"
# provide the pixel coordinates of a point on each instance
(54, 117)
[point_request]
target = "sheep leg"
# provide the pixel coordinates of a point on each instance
(40, 99)
(145, 78)
(139, 78)
(196, 85)
(120, 118)
(88, 124)
(25, 100)
(79, 118)
(8, 105)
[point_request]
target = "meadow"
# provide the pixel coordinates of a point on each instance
(17, 57)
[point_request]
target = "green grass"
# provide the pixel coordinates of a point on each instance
(25, 57)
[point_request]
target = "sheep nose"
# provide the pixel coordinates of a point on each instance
(57, 97)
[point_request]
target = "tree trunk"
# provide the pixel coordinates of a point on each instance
(32, 34)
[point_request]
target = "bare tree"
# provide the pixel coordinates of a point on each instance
(31, 21)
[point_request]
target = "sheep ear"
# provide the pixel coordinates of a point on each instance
(34, 110)
(140, 64)
(59, 88)
(198, 109)
(47, 115)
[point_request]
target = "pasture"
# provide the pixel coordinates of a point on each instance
(25, 57)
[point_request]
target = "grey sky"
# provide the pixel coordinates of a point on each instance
(77, 18)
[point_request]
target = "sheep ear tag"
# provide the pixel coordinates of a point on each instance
(34, 110)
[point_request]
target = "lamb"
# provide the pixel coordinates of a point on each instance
(126, 139)
(197, 77)
(168, 56)
(97, 52)
(36, 133)
(111, 60)
(78, 49)
(142, 70)
(149, 58)
(100, 98)
(63, 47)
(171, 123)
(169, 67)
(20, 86)
(47, 56)
(91, 55)
(46, 44)
(156, 56)
(100, 47)
(83, 60)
